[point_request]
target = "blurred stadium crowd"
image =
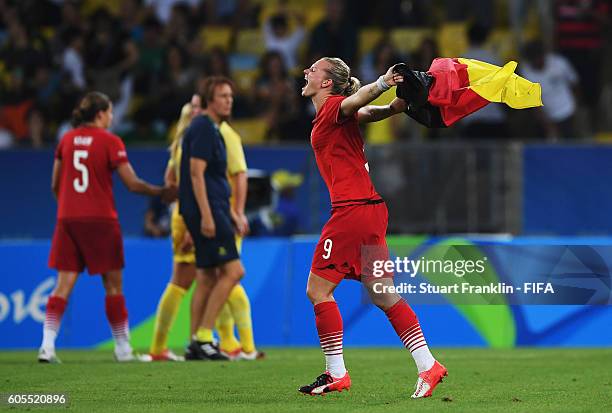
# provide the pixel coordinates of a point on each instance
(150, 55)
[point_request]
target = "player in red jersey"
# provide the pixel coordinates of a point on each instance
(87, 233)
(359, 219)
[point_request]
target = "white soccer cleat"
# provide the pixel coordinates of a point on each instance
(127, 355)
(124, 356)
(46, 355)
(145, 358)
(428, 380)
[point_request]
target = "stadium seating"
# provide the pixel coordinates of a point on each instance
(368, 37)
(502, 44)
(250, 41)
(245, 79)
(452, 39)
(215, 36)
(407, 41)
(252, 130)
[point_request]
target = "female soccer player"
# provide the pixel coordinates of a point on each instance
(183, 271)
(359, 219)
(87, 233)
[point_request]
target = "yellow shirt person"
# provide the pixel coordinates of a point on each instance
(236, 163)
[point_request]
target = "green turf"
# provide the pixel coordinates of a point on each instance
(480, 380)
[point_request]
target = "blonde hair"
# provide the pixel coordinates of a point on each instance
(181, 127)
(340, 75)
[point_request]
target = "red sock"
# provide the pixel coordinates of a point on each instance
(406, 325)
(329, 327)
(117, 315)
(53, 315)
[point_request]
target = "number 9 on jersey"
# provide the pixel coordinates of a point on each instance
(327, 247)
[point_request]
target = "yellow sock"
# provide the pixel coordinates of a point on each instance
(241, 310)
(204, 334)
(225, 327)
(166, 313)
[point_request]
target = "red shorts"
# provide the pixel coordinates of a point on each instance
(95, 244)
(350, 240)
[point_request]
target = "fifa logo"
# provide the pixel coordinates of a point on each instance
(538, 288)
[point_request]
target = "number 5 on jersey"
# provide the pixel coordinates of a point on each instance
(80, 185)
(327, 247)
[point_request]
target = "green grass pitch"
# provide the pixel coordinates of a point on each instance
(480, 380)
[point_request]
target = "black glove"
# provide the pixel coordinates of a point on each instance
(415, 91)
(415, 87)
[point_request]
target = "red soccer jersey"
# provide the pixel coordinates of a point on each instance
(89, 156)
(338, 149)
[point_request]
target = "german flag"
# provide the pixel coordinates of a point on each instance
(463, 86)
(453, 88)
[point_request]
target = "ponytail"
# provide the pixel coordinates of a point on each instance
(88, 108)
(353, 86)
(340, 74)
(77, 117)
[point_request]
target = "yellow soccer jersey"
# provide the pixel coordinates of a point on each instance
(177, 224)
(175, 161)
(178, 234)
(236, 161)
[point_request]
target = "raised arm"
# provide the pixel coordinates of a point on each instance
(372, 113)
(369, 92)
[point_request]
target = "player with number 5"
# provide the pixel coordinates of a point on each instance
(358, 221)
(87, 233)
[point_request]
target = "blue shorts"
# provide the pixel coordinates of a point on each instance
(213, 252)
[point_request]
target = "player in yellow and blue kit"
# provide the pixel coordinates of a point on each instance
(184, 271)
(236, 311)
(204, 199)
